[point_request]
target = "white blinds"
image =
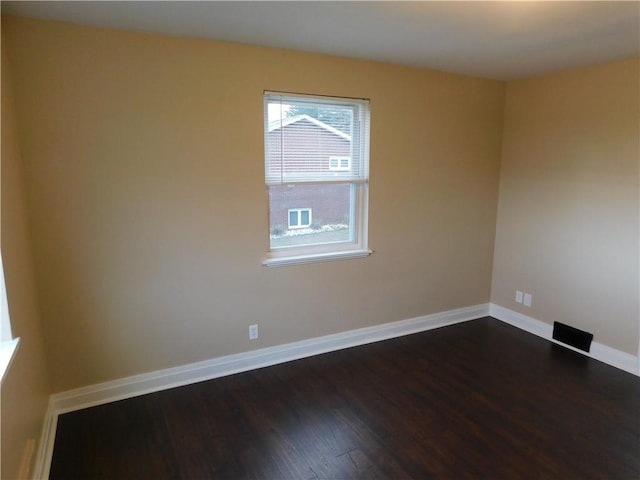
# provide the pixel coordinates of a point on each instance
(315, 139)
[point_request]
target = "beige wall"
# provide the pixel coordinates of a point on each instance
(25, 389)
(568, 214)
(144, 164)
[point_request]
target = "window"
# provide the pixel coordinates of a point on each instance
(340, 163)
(8, 344)
(5, 325)
(299, 217)
(303, 136)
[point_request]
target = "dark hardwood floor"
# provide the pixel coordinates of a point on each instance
(478, 400)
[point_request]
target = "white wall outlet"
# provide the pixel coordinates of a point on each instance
(528, 298)
(518, 296)
(253, 332)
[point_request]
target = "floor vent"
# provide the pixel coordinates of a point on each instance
(572, 336)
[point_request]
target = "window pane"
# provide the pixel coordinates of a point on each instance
(304, 217)
(293, 218)
(327, 208)
(302, 136)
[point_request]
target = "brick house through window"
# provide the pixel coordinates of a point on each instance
(330, 203)
(317, 177)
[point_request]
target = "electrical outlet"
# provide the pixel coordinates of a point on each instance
(528, 298)
(518, 296)
(253, 332)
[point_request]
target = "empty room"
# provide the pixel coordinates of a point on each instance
(320, 240)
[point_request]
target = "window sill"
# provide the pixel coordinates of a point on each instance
(7, 351)
(315, 258)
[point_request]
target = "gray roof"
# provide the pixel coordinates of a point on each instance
(279, 123)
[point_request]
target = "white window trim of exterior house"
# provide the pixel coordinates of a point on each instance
(339, 161)
(299, 215)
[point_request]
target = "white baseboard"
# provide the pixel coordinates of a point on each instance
(603, 353)
(218, 367)
(129, 387)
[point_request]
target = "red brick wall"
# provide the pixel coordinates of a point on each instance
(329, 203)
(307, 148)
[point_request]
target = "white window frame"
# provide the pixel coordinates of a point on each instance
(356, 176)
(8, 344)
(299, 212)
(339, 167)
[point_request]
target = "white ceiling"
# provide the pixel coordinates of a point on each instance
(500, 40)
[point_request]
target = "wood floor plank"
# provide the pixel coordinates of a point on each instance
(474, 400)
